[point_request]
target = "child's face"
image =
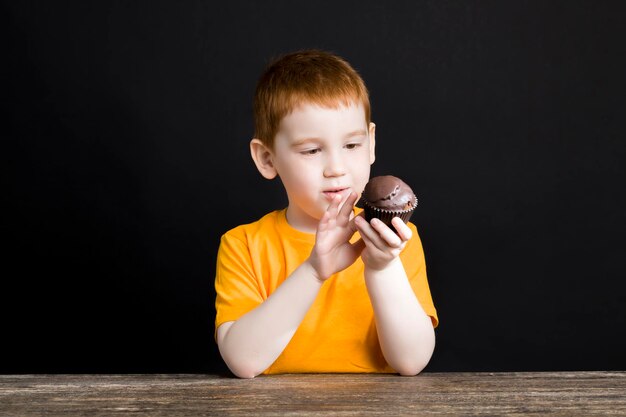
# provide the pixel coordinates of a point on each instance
(318, 153)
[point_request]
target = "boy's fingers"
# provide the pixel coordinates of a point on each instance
(369, 234)
(323, 221)
(348, 205)
(333, 207)
(404, 231)
(388, 235)
(323, 227)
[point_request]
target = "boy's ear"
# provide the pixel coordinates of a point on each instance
(372, 132)
(263, 159)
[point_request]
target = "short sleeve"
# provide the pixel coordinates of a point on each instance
(415, 266)
(236, 286)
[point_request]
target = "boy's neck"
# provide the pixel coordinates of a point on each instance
(301, 221)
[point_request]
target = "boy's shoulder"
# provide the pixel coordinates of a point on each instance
(265, 224)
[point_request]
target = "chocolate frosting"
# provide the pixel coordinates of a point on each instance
(389, 193)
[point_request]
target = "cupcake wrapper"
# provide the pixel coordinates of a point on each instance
(386, 215)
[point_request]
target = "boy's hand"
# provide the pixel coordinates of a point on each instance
(333, 251)
(382, 245)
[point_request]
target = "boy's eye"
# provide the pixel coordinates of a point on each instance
(352, 145)
(310, 151)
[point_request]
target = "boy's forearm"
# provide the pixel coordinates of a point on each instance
(405, 331)
(253, 342)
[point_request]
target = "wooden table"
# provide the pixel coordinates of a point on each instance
(561, 393)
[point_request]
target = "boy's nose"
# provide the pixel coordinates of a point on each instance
(335, 166)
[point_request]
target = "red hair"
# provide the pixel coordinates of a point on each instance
(307, 76)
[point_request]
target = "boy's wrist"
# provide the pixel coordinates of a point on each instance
(310, 268)
(382, 268)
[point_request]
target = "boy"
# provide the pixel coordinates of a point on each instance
(299, 290)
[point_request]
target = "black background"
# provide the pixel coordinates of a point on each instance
(125, 157)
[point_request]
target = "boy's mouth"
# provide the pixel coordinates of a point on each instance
(332, 192)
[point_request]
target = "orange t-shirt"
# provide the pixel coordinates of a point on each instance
(338, 333)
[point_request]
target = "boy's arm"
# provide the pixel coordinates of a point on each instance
(253, 342)
(405, 331)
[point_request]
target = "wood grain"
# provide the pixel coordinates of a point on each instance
(560, 393)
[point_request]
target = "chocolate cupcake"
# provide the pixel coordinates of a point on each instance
(386, 197)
